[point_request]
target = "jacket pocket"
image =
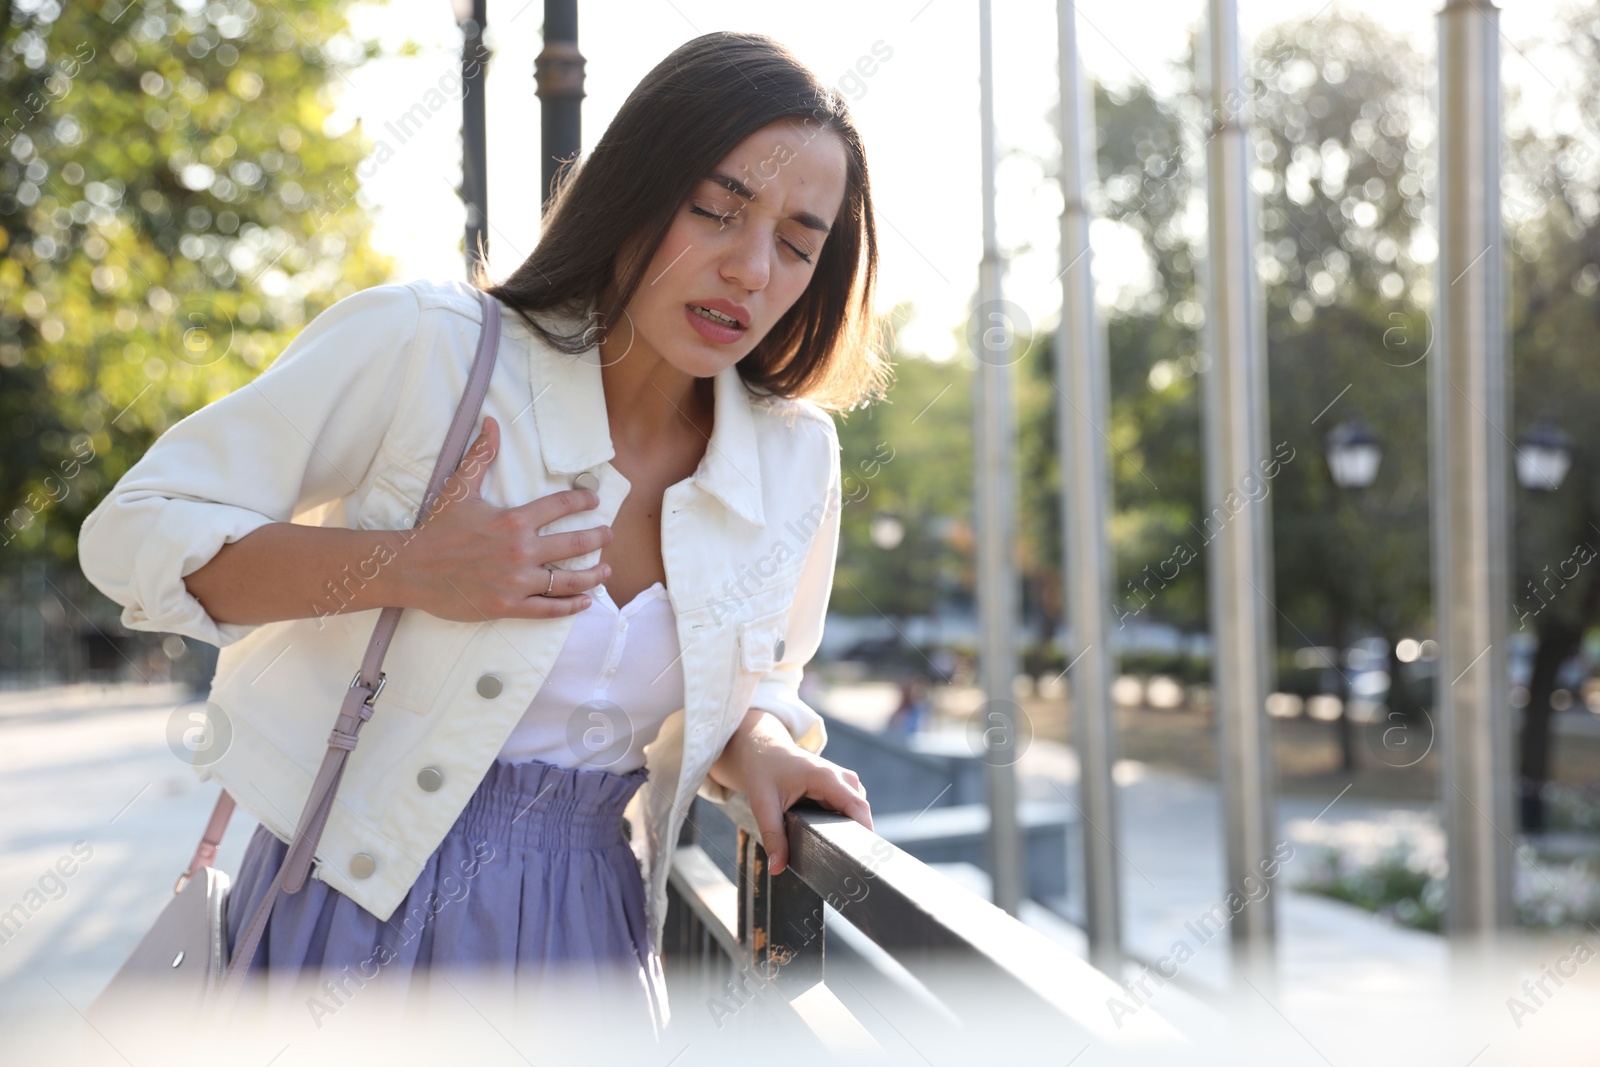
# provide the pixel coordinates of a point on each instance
(759, 640)
(394, 500)
(425, 647)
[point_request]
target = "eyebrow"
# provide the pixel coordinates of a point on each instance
(739, 189)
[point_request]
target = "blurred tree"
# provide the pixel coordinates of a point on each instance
(1345, 255)
(1343, 146)
(928, 420)
(1343, 164)
(1553, 230)
(173, 212)
(1143, 188)
(1146, 185)
(906, 458)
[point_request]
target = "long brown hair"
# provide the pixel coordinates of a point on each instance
(677, 125)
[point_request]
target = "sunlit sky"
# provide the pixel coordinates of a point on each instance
(919, 116)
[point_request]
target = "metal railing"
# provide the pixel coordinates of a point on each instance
(864, 945)
(58, 629)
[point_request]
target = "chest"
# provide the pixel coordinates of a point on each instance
(634, 553)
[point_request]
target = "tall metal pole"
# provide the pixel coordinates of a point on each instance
(558, 72)
(1083, 405)
(1468, 466)
(1240, 553)
(474, 135)
(993, 450)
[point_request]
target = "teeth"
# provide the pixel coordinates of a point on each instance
(716, 316)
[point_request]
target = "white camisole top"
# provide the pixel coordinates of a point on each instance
(618, 677)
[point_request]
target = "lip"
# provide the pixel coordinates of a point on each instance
(715, 332)
(732, 310)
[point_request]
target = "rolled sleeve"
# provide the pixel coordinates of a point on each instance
(713, 791)
(305, 432)
(778, 691)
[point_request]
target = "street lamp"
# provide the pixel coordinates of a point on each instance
(1354, 453)
(1544, 454)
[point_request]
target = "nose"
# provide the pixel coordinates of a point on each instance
(749, 261)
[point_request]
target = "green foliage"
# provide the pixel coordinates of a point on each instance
(1344, 168)
(1391, 887)
(1189, 670)
(173, 213)
(1347, 279)
(1153, 347)
(1572, 807)
(1554, 242)
(1550, 892)
(905, 457)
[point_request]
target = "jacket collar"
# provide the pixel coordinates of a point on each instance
(569, 407)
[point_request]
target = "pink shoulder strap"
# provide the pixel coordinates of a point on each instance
(364, 687)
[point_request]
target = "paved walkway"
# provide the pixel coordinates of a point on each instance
(1171, 846)
(1349, 980)
(86, 776)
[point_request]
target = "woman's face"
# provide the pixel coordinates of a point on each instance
(745, 244)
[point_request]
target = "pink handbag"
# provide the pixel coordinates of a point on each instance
(182, 961)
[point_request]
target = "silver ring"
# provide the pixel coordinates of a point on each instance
(552, 585)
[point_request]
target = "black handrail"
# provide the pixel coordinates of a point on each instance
(976, 961)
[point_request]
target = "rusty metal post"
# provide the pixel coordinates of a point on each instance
(558, 73)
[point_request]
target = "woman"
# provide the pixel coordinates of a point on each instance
(699, 297)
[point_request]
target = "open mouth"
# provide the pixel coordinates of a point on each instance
(717, 317)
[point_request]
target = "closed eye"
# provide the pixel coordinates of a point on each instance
(723, 220)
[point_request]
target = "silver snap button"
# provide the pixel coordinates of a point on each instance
(489, 686)
(362, 865)
(429, 779)
(586, 480)
(777, 649)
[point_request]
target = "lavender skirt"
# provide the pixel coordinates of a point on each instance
(532, 907)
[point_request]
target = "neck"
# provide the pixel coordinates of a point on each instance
(648, 400)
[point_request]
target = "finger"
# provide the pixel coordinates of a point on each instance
(563, 546)
(467, 479)
(769, 820)
(547, 509)
(833, 791)
(566, 583)
(568, 591)
(551, 607)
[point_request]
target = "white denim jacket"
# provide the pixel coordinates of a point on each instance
(343, 430)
